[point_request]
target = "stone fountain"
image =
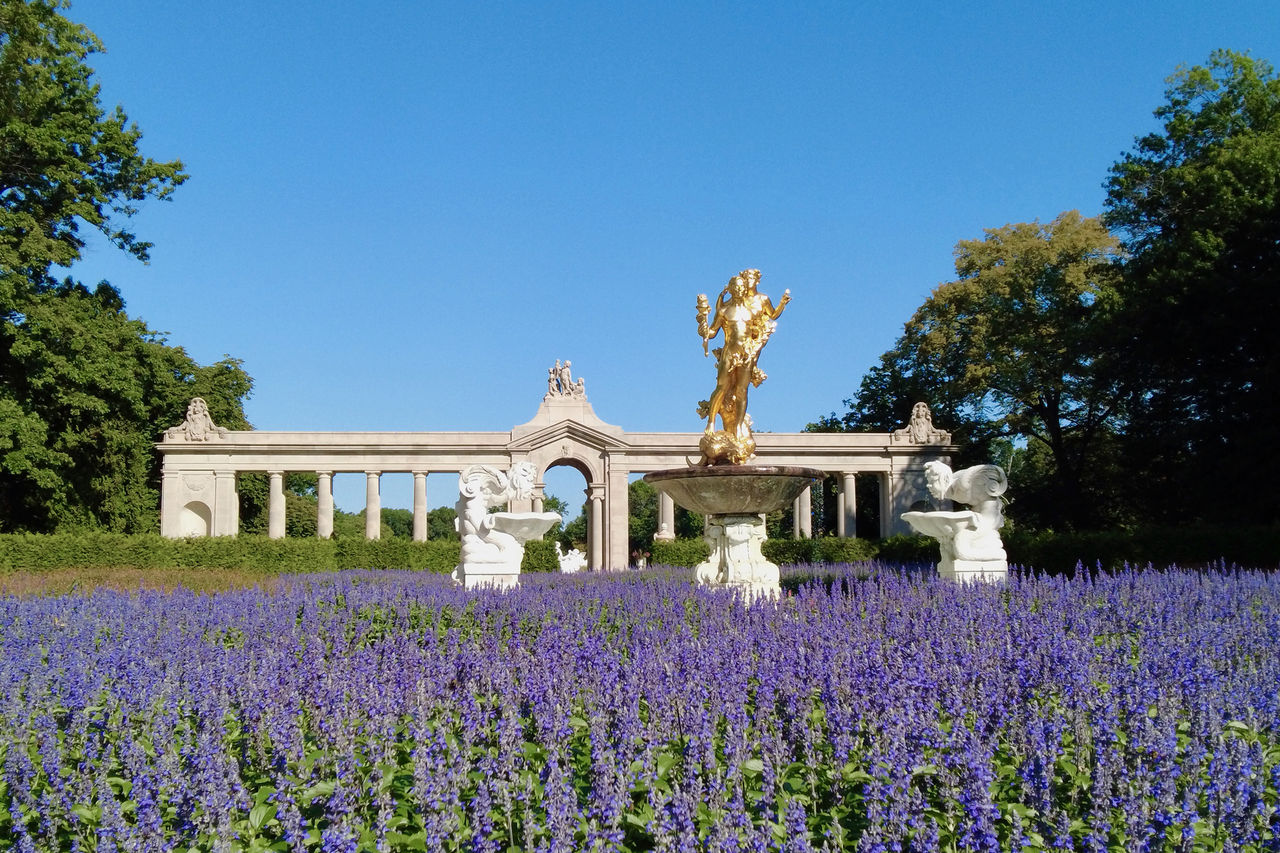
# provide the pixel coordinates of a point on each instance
(969, 539)
(733, 494)
(493, 542)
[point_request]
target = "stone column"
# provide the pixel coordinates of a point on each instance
(538, 495)
(848, 505)
(171, 505)
(275, 505)
(666, 516)
(595, 522)
(226, 504)
(419, 506)
(616, 501)
(805, 513)
(324, 504)
(372, 506)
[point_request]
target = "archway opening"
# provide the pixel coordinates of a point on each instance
(564, 491)
(197, 519)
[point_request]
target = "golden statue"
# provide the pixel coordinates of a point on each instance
(747, 318)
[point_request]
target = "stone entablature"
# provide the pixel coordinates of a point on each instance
(198, 494)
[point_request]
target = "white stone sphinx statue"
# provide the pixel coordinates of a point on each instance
(493, 542)
(572, 562)
(969, 539)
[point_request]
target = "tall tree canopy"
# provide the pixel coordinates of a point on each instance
(1137, 376)
(1010, 349)
(84, 389)
(1198, 206)
(64, 161)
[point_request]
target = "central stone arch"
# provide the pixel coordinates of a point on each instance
(577, 464)
(566, 431)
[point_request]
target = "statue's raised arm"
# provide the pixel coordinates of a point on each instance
(775, 313)
(704, 330)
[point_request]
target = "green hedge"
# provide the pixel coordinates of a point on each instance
(828, 549)
(1255, 547)
(907, 549)
(253, 553)
(539, 556)
(690, 552)
(34, 552)
(824, 575)
(679, 552)
(1189, 547)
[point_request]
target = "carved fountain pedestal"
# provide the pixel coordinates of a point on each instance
(735, 499)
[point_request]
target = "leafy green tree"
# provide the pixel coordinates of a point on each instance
(304, 484)
(1197, 204)
(84, 392)
(299, 516)
(689, 525)
(353, 526)
(64, 161)
(901, 378)
(1016, 347)
(347, 525)
(84, 389)
(399, 521)
(441, 523)
(642, 521)
(551, 503)
(574, 534)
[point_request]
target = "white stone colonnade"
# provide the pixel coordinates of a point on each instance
(198, 495)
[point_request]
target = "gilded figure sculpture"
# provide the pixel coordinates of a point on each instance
(747, 318)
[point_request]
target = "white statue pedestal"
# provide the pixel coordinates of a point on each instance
(969, 552)
(734, 499)
(475, 577)
(736, 560)
(975, 570)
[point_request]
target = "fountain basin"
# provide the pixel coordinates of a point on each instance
(524, 526)
(734, 489)
(735, 498)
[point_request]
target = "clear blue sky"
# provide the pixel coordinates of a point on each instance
(401, 213)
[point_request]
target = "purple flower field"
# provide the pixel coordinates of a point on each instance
(391, 711)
